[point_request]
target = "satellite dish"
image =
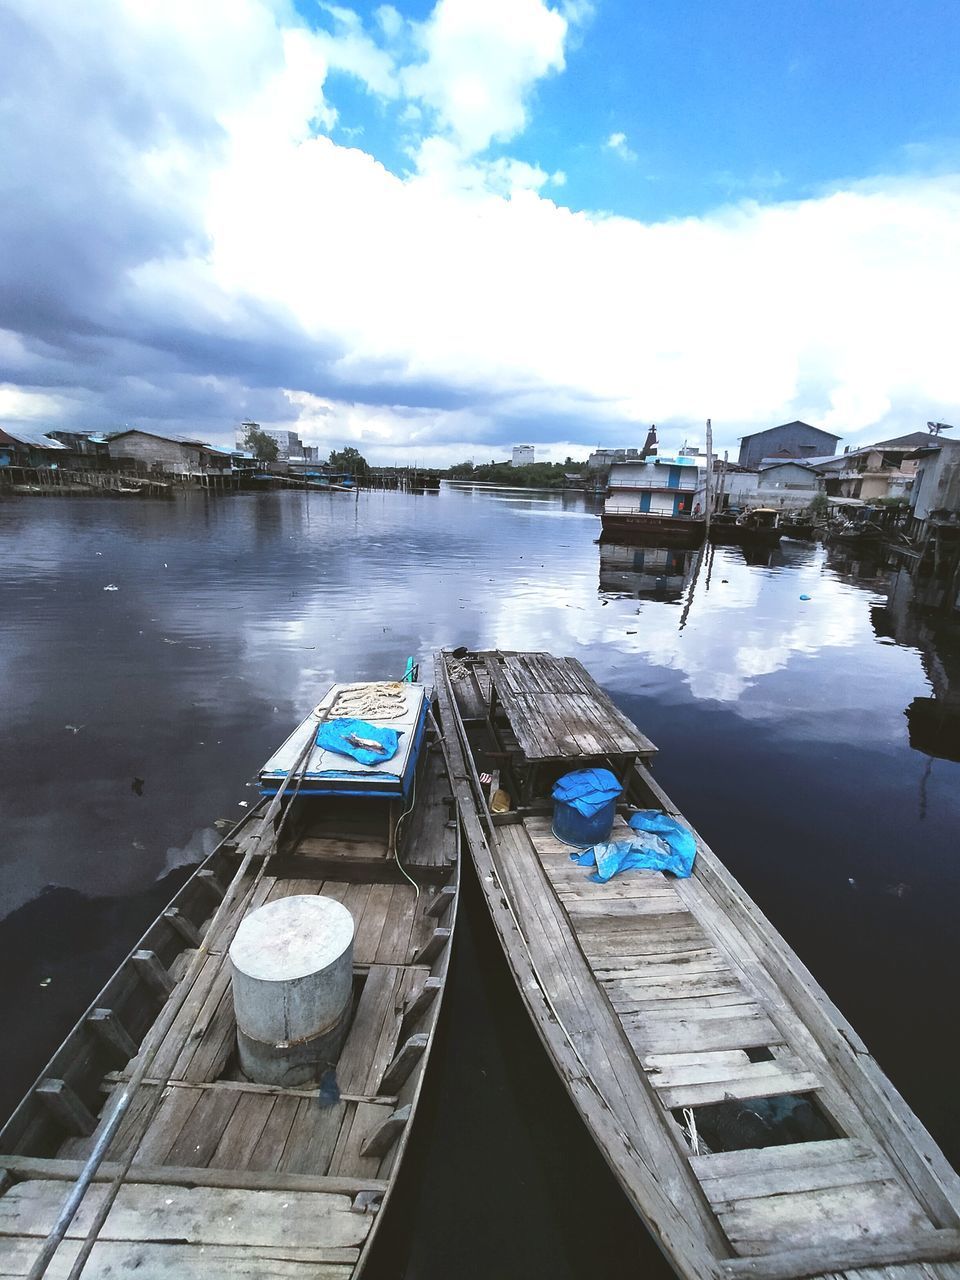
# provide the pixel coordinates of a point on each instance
(936, 427)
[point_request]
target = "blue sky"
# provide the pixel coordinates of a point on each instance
(720, 101)
(434, 230)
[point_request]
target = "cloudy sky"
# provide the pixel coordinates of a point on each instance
(434, 231)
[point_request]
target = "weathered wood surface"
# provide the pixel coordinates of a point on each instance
(692, 1028)
(710, 1005)
(283, 1221)
(558, 712)
(114, 1258)
(216, 1139)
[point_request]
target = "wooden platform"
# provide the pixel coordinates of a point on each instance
(659, 999)
(231, 1178)
(557, 711)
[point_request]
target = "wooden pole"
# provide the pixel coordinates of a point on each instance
(708, 490)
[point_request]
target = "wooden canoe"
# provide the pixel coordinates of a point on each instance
(673, 1010)
(214, 1175)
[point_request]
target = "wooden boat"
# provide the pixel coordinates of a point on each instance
(679, 1020)
(214, 1175)
(759, 527)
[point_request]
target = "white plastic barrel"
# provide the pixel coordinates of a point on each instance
(292, 963)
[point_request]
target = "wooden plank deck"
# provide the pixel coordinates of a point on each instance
(558, 712)
(670, 999)
(692, 1017)
(231, 1178)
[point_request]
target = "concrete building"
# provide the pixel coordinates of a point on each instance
(884, 470)
(523, 455)
(791, 440)
(289, 445)
(786, 485)
(936, 487)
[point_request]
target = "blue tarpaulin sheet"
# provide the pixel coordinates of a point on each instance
(659, 843)
(587, 790)
(335, 735)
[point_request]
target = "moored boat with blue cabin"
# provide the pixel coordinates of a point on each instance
(658, 498)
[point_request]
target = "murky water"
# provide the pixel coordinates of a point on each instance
(134, 717)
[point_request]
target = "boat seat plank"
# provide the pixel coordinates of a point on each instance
(111, 1258)
(835, 1215)
(677, 991)
(193, 1215)
(689, 1036)
(728, 1177)
(709, 1081)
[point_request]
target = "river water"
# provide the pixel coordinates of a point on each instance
(152, 655)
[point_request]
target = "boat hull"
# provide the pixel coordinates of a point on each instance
(666, 531)
(661, 1001)
(227, 1172)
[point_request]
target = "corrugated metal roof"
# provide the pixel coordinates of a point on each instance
(34, 436)
(159, 435)
(767, 463)
(797, 422)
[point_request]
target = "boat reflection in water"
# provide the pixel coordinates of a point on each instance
(645, 570)
(933, 721)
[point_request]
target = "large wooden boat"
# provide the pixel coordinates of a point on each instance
(209, 1174)
(743, 1116)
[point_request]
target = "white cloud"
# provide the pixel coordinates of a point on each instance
(481, 59)
(617, 142)
(253, 238)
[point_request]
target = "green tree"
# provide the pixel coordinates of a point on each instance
(348, 459)
(260, 444)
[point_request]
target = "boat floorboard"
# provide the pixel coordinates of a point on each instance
(169, 1232)
(701, 1033)
(210, 1118)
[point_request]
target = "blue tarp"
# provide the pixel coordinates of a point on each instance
(660, 843)
(587, 790)
(334, 735)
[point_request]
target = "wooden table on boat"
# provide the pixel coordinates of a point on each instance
(558, 713)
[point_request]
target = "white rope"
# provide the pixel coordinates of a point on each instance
(380, 700)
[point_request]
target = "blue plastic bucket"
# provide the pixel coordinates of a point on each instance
(573, 827)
